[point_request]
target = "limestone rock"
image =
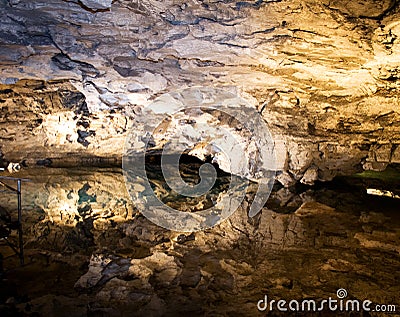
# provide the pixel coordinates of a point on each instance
(163, 268)
(311, 208)
(396, 155)
(97, 4)
(310, 176)
(93, 276)
(323, 75)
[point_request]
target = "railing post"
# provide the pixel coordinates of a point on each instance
(21, 242)
(17, 248)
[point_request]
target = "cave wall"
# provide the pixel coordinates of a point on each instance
(323, 74)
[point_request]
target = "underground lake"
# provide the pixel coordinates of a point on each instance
(88, 251)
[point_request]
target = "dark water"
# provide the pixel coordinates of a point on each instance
(189, 171)
(306, 243)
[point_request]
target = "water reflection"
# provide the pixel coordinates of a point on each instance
(88, 250)
(189, 171)
(175, 191)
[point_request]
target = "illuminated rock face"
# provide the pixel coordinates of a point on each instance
(323, 74)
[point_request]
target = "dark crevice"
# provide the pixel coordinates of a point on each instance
(91, 10)
(64, 62)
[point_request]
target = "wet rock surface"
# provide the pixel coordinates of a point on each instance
(112, 261)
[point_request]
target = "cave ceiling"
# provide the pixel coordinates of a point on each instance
(323, 74)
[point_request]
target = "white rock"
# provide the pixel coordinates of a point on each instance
(97, 4)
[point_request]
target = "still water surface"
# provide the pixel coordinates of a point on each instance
(306, 243)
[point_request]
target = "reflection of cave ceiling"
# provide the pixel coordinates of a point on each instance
(323, 73)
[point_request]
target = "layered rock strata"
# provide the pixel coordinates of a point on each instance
(322, 74)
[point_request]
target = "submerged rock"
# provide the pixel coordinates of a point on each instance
(100, 257)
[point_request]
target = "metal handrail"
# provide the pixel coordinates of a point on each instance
(17, 190)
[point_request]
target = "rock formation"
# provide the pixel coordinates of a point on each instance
(323, 74)
(76, 74)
